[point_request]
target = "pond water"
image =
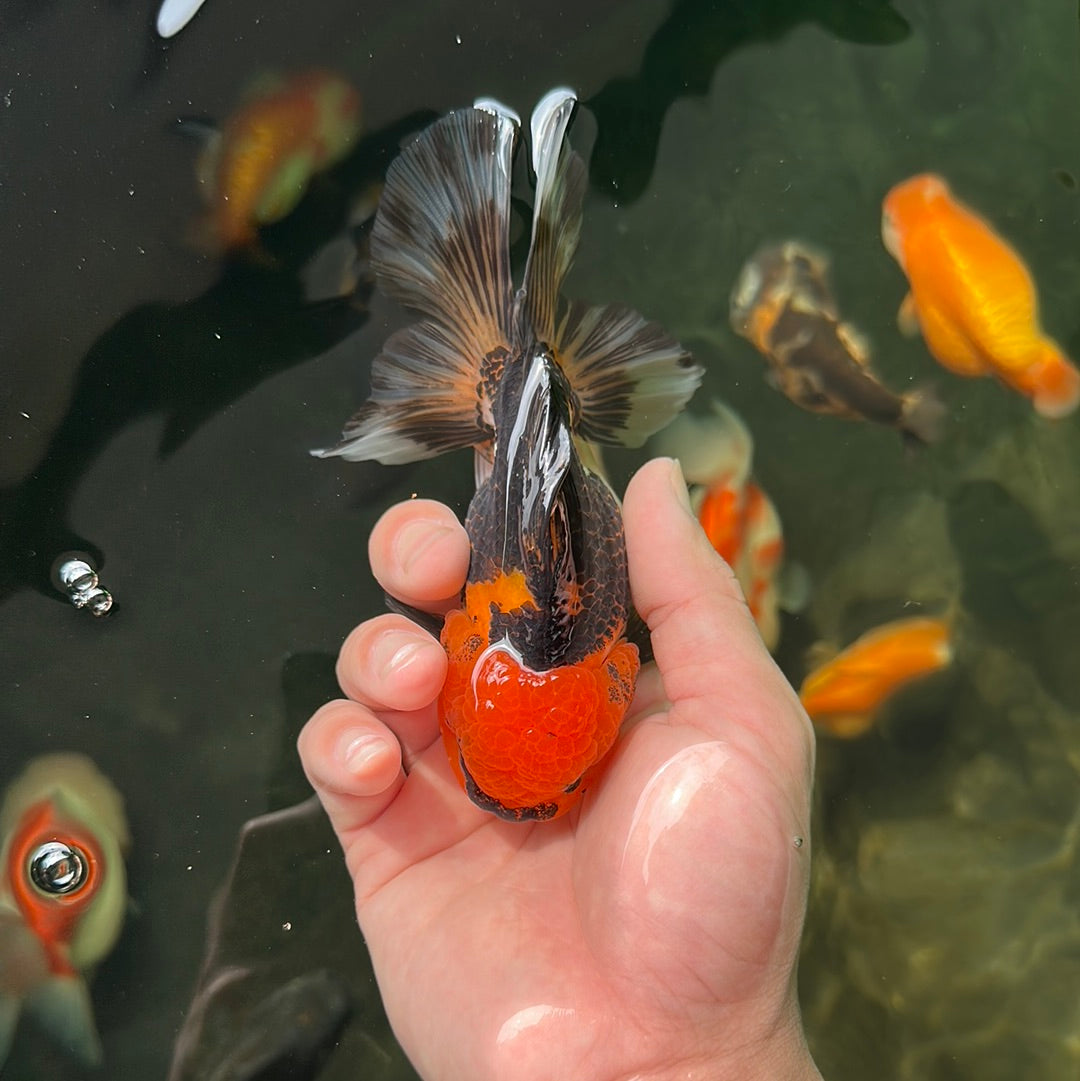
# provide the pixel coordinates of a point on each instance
(157, 406)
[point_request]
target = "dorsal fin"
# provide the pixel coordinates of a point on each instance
(557, 210)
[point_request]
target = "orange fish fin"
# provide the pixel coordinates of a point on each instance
(844, 725)
(907, 318)
(630, 376)
(556, 227)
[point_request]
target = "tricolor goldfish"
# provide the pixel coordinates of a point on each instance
(63, 896)
(540, 671)
(844, 694)
(256, 169)
(740, 520)
(783, 304)
(972, 296)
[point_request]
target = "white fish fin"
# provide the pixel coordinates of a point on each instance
(907, 317)
(630, 376)
(62, 1007)
(711, 449)
(426, 398)
(556, 227)
(794, 586)
(440, 243)
(10, 1008)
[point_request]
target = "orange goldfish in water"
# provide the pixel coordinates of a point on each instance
(63, 895)
(257, 168)
(739, 519)
(540, 673)
(972, 296)
(844, 694)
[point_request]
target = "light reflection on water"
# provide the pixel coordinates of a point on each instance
(941, 940)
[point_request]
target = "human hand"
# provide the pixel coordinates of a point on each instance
(653, 931)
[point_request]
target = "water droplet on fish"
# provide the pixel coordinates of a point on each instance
(798, 842)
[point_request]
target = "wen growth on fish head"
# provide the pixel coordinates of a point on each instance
(907, 203)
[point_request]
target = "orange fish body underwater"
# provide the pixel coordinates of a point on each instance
(735, 513)
(258, 167)
(63, 897)
(540, 672)
(972, 297)
(844, 695)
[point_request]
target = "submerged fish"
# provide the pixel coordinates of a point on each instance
(844, 695)
(63, 895)
(716, 453)
(783, 304)
(540, 672)
(257, 167)
(972, 296)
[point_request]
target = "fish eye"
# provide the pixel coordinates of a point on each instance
(57, 868)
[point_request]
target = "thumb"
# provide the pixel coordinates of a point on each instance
(711, 658)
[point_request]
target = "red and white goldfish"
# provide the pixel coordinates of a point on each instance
(783, 304)
(844, 695)
(257, 167)
(541, 673)
(740, 520)
(972, 296)
(63, 895)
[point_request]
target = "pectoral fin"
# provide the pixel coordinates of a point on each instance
(907, 318)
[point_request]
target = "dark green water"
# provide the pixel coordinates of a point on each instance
(156, 409)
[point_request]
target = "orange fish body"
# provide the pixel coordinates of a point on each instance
(736, 515)
(540, 672)
(258, 168)
(63, 896)
(844, 695)
(972, 296)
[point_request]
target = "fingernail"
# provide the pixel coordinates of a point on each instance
(356, 751)
(678, 483)
(394, 651)
(414, 539)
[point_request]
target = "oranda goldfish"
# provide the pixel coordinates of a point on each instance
(540, 672)
(844, 695)
(972, 296)
(783, 303)
(257, 168)
(63, 896)
(740, 520)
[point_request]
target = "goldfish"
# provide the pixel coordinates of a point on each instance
(540, 670)
(972, 296)
(783, 304)
(63, 896)
(255, 170)
(843, 695)
(742, 524)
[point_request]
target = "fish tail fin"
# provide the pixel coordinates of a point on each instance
(440, 246)
(711, 448)
(922, 417)
(1053, 381)
(630, 377)
(556, 227)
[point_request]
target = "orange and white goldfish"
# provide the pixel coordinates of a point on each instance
(844, 695)
(63, 895)
(257, 167)
(972, 296)
(740, 520)
(541, 673)
(783, 304)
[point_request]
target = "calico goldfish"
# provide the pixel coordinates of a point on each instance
(255, 170)
(843, 695)
(972, 296)
(783, 304)
(540, 672)
(63, 895)
(716, 454)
